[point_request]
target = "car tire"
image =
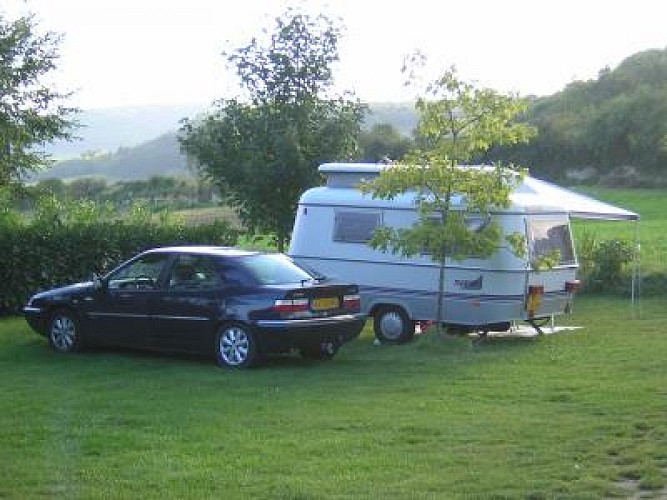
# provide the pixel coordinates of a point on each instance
(323, 351)
(236, 347)
(392, 325)
(64, 333)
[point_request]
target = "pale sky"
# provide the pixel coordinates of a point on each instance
(135, 52)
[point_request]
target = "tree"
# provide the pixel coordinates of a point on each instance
(383, 142)
(31, 113)
(87, 188)
(457, 123)
(263, 151)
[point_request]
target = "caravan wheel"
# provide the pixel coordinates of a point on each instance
(392, 325)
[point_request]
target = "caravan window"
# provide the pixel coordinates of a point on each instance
(355, 227)
(545, 236)
(474, 222)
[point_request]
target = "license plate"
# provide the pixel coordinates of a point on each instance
(324, 303)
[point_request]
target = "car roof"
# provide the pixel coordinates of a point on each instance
(204, 250)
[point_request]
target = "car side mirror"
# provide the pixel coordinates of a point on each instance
(98, 283)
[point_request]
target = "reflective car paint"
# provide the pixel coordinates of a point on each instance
(143, 303)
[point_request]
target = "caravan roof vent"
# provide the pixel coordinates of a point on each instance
(349, 175)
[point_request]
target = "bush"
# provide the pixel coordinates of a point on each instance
(603, 264)
(65, 246)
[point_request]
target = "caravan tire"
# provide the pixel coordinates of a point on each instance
(392, 325)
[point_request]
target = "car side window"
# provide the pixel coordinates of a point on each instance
(194, 272)
(235, 277)
(141, 274)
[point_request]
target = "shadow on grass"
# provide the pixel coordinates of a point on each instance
(458, 344)
(360, 364)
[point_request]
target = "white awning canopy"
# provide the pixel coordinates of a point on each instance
(538, 195)
(531, 196)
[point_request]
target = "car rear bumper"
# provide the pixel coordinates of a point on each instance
(276, 335)
(297, 324)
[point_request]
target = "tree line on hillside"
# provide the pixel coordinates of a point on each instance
(611, 129)
(157, 157)
(158, 192)
(385, 131)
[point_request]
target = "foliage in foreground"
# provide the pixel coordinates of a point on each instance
(574, 415)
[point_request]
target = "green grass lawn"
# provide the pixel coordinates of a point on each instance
(194, 216)
(574, 415)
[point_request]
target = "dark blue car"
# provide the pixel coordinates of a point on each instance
(235, 304)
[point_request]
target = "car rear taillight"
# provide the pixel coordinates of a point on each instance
(352, 301)
(290, 306)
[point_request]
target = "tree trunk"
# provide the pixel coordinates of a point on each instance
(441, 278)
(441, 296)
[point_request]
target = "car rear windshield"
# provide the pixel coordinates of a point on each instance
(274, 269)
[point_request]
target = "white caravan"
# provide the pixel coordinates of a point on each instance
(334, 223)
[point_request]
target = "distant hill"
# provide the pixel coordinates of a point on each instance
(402, 116)
(106, 130)
(123, 144)
(157, 157)
(611, 129)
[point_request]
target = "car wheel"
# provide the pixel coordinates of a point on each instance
(236, 347)
(393, 326)
(323, 351)
(64, 331)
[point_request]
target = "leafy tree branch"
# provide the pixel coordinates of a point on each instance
(31, 113)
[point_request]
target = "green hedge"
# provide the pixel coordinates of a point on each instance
(38, 257)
